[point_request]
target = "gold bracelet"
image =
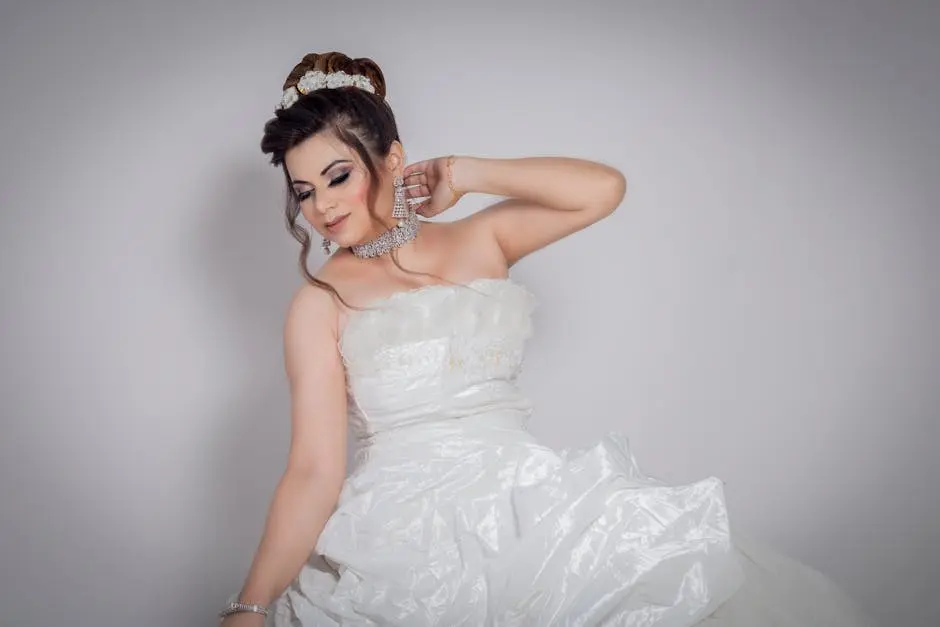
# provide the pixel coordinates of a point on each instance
(450, 179)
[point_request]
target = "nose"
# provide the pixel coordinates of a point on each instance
(323, 203)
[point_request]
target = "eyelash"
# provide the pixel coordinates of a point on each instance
(339, 180)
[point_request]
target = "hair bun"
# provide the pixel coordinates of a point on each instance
(334, 62)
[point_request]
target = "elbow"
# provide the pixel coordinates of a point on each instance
(619, 190)
(611, 192)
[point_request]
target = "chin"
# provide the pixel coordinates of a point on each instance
(350, 236)
(343, 240)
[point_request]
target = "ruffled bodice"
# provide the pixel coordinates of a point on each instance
(436, 354)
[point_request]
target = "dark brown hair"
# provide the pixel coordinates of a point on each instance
(360, 119)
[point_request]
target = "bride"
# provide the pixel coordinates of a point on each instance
(409, 340)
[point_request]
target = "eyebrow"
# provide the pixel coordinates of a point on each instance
(322, 172)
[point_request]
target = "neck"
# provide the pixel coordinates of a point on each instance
(404, 232)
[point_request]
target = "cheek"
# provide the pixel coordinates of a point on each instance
(311, 216)
(360, 193)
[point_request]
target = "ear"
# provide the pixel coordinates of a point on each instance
(395, 161)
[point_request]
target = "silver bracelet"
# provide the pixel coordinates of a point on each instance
(235, 607)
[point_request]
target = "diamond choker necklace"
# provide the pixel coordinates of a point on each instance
(404, 232)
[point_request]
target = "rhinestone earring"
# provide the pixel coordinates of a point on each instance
(399, 211)
(326, 246)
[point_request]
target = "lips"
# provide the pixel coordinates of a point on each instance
(336, 223)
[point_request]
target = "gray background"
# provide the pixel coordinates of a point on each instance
(762, 308)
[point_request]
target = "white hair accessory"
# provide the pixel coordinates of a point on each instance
(315, 79)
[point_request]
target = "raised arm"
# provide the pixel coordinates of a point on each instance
(547, 198)
(307, 493)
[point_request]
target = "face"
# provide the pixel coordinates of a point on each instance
(333, 185)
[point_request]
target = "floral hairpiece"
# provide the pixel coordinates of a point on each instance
(315, 79)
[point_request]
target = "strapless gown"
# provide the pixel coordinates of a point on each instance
(453, 514)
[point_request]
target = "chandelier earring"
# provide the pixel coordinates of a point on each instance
(403, 232)
(400, 209)
(326, 245)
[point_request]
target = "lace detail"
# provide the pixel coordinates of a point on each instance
(479, 328)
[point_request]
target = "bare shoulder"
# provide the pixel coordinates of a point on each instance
(472, 238)
(311, 327)
(342, 273)
(311, 303)
(481, 227)
(471, 229)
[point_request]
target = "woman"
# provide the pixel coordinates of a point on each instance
(410, 337)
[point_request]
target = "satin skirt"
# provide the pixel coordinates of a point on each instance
(472, 522)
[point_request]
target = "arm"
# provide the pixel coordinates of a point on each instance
(548, 198)
(309, 488)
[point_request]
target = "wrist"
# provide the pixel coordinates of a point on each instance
(462, 174)
(240, 608)
(252, 598)
(478, 175)
(252, 595)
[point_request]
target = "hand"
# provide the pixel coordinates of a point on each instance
(433, 180)
(243, 619)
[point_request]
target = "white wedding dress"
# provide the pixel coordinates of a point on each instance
(453, 514)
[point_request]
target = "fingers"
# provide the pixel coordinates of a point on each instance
(417, 191)
(422, 208)
(419, 206)
(414, 181)
(417, 188)
(414, 170)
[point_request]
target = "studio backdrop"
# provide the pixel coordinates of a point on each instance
(762, 307)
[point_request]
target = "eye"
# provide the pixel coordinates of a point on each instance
(339, 180)
(302, 196)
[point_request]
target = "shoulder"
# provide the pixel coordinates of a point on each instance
(475, 234)
(493, 225)
(314, 310)
(311, 314)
